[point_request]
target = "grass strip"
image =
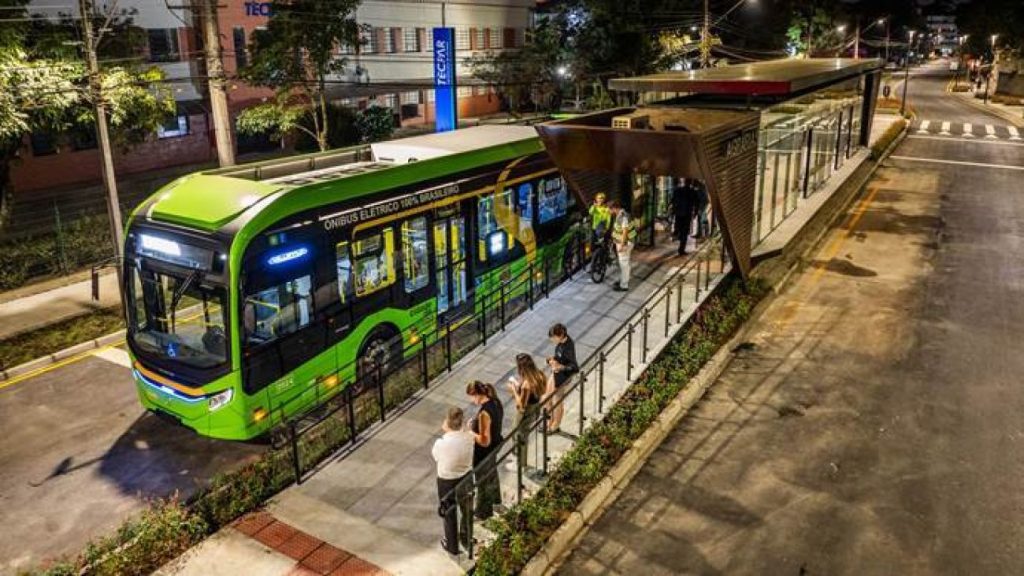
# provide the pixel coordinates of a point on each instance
(56, 337)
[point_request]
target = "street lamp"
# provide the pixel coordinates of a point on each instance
(991, 69)
(906, 75)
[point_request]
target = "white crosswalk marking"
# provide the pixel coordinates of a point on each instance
(1014, 134)
(990, 131)
(923, 129)
(945, 129)
(968, 131)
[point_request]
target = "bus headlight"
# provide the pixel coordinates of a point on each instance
(218, 401)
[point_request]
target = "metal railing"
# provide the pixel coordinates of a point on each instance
(338, 412)
(530, 450)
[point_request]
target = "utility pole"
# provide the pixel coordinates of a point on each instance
(218, 97)
(906, 75)
(103, 136)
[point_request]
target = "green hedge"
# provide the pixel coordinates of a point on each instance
(887, 138)
(522, 530)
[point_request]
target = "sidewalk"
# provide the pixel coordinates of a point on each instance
(378, 502)
(1012, 114)
(22, 314)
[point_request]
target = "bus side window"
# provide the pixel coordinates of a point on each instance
(416, 256)
(490, 234)
(278, 310)
(366, 265)
(553, 199)
(344, 266)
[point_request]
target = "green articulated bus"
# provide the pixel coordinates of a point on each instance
(254, 290)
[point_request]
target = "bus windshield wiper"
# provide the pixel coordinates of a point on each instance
(192, 276)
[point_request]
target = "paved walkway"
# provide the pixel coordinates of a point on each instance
(44, 308)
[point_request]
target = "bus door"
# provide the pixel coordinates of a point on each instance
(449, 232)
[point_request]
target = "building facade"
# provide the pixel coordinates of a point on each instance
(392, 68)
(943, 34)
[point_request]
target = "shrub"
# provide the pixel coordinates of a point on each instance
(887, 138)
(520, 532)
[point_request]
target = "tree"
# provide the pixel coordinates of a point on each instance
(44, 84)
(375, 123)
(529, 77)
(295, 56)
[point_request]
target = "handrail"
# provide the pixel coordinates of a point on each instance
(497, 295)
(594, 362)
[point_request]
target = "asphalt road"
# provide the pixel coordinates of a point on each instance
(874, 423)
(78, 455)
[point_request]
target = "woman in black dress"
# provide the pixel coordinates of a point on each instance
(563, 366)
(486, 427)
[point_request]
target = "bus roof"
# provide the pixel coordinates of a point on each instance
(446, 143)
(209, 201)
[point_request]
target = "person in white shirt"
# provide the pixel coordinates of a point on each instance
(453, 453)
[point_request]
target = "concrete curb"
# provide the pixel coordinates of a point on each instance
(1007, 115)
(548, 559)
(61, 355)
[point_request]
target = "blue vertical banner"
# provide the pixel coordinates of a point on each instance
(446, 105)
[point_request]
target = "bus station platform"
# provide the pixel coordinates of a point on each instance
(374, 507)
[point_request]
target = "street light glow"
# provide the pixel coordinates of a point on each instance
(841, 28)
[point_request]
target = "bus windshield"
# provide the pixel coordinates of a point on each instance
(177, 318)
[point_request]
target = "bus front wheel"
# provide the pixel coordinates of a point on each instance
(379, 355)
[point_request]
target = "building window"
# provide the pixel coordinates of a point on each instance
(480, 90)
(479, 39)
(411, 40)
(241, 57)
(465, 91)
(462, 39)
(370, 44)
(509, 40)
(163, 44)
(410, 98)
(388, 101)
(174, 127)
(390, 39)
(431, 96)
(496, 39)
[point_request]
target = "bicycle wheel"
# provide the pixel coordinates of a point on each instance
(599, 265)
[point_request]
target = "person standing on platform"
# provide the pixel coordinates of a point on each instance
(684, 203)
(453, 453)
(563, 365)
(486, 427)
(703, 225)
(624, 237)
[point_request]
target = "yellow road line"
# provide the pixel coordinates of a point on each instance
(55, 365)
(838, 242)
(830, 252)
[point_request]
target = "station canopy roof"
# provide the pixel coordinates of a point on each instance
(767, 78)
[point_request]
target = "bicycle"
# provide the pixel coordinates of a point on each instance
(599, 259)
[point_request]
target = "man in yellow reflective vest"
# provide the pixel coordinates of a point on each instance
(624, 237)
(600, 218)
